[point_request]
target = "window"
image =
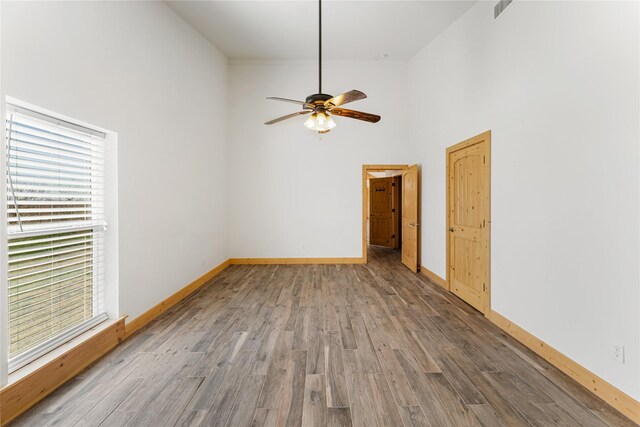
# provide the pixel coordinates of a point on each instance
(55, 228)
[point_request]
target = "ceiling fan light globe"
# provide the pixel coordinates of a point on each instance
(320, 121)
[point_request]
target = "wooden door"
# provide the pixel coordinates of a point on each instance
(397, 211)
(468, 220)
(410, 215)
(381, 215)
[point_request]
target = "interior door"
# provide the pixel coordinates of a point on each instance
(381, 231)
(397, 210)
(468, 187)
(410, 213)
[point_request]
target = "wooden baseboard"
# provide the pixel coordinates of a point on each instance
(433, 277)
(605, 391)
(155, 311)
(260, 261)
(21, 395)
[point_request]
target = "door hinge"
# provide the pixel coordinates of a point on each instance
(484, 287)
(483, 224)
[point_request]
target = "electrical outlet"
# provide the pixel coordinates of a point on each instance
(618, 353)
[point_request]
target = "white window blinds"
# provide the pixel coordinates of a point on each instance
(55, 224)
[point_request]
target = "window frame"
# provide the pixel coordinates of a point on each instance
(10, 365)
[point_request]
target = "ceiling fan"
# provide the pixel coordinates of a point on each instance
(320, 105)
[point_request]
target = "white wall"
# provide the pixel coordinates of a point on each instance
(294, 193)
(4, 298)
(557, 83)
(137, 69)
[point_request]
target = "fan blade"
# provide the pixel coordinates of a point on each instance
(358, 115)
(288, 116)
(293, 101)
(352, 95)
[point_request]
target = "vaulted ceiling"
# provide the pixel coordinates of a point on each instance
(354, 30)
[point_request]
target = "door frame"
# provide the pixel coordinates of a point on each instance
(486, 170)
(365, 199)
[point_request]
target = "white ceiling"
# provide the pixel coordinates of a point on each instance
(357, 30)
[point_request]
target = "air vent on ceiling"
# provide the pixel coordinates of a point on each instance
(500, 7)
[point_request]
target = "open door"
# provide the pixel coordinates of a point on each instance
(381, 212)
(410, 222)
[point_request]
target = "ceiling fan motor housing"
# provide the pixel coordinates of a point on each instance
(318, 98)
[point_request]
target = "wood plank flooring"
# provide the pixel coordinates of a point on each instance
(337, 345)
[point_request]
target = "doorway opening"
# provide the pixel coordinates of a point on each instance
(390, 212)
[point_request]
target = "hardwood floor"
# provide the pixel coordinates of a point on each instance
(324, 345)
